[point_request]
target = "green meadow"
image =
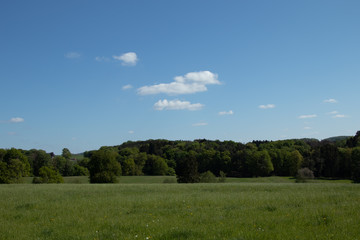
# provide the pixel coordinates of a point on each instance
(146, 208)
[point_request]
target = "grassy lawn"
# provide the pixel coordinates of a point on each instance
(180, 211)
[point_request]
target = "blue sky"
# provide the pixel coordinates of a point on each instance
(84, 74)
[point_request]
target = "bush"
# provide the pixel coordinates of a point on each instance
(304, 174)
(48, 175)
(207, 177)
(222, 177)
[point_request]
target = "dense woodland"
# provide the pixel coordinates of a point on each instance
(331, 158)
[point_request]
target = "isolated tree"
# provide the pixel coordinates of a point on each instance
(103, 167)
(66, 153)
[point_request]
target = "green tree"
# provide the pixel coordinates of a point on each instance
(260, 163)
(48, 175)
(292, 163)
(103, 167)
(187, 167)
(38, 159)
(66, 153)
(155, 165)
(14, 166)
(355, 157)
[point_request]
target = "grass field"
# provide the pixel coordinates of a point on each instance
(234, 210)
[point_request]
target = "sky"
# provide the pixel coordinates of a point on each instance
(86, 74)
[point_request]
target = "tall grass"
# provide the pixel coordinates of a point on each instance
(180, 211)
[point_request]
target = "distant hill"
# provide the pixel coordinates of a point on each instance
(337, 139)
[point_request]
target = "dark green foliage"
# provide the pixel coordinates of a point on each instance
(355, 157)
(155, 165)
(80, 171)
(48, 175)
(66, 153)
(13, 166)
(187, 167)
(38, 159)
(103, 166)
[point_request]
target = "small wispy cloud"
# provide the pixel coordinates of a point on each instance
(267, 106)
(307, 116)
(200, 124)
(127, 59)
(333, 112)
(72, 55)
(177, 105)
(102, 59)
(339, 116)
(331, 100)
(131, 132)
(16, 120)
(127, 87)
(307, 128)
(226, 113)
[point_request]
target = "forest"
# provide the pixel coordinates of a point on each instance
(334, 158)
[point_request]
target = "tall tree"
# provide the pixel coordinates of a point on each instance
(103, 167)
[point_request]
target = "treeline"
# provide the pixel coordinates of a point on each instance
(18, 163)
(331, 158)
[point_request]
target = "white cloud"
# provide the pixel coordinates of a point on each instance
(308, 116)
(331, 100)
(226, 113)
(126, 87)
(128, 59)
(307, 128)
(177, 105)
(192, 82)
(72, 55)
(131, 132)
(333, 112)
(17, 120)
(268, 106)
(200, 124)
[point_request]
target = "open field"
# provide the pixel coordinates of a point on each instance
(180, 211)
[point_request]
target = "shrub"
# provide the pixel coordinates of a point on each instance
(304, 174)
(222, 177)
(48, 175)
(207, 177)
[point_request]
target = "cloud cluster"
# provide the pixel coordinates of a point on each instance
(191, 82)
(267, 106)
(127, 59)
(176, 105)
